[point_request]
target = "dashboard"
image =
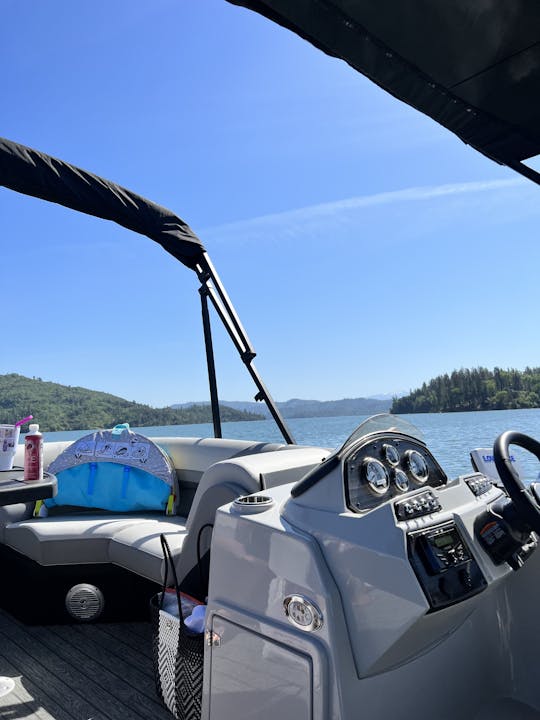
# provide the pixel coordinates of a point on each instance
(453, 530)
(386, 466)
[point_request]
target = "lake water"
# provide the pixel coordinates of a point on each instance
(450, 436)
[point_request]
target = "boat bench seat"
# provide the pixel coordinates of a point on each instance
(132, 540)
(129, 541)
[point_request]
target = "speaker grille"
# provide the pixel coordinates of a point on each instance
(85, 602)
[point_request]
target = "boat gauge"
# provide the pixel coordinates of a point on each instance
(390, 454)
(417, 466)
(401, 480)
(376, 475)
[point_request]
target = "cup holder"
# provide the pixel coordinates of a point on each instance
(253, 503)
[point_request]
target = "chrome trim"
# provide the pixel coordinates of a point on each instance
(306, 607)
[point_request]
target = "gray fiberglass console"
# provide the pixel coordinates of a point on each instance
(376, 588)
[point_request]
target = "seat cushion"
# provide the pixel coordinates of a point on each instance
(89, 538)
(138, 547)
(13, 513)
(67, 539)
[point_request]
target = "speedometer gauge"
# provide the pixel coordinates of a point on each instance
(376, 475)
(417, 466)
(390, 454)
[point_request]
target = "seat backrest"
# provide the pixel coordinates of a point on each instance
(190, 456)
(193, 456)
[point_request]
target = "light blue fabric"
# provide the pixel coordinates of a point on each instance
(120, 428)
(110, 486)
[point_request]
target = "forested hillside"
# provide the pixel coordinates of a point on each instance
(314, 408)
(59, 407)
(476, 389)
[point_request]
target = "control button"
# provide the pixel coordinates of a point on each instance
(479, 485)
(422, 504)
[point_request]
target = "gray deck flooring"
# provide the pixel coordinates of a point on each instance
(78, 672)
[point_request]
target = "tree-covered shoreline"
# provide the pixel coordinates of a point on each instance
(470, 390)
(59, 407)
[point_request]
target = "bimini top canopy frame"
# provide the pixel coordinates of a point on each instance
(471, 65)
(34, 173)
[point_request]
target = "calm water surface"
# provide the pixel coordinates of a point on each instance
(450, 436)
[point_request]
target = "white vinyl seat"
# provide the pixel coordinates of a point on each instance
(129, 541)
(137, 547)
(220, 470)
(13, 513)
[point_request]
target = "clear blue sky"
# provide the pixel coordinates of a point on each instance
(366, 249)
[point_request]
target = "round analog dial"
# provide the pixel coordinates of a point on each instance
(376, 475)
(417, 466)
(390, 454)
(401, 480)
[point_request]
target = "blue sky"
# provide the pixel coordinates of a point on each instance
(365, 248)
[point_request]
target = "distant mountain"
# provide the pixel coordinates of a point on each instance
(60, 407)
(388, 396)
(296, 408)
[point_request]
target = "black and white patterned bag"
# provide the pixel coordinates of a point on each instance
(178, 654)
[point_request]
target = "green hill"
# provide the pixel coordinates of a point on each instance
(476, 389)
(59, 407)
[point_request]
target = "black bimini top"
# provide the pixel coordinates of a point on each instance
(471, 65)
(34, 173)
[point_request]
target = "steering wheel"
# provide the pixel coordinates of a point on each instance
(526, 499)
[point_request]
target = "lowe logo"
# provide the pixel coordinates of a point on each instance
(490, 458)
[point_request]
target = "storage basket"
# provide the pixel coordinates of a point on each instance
(178, 653)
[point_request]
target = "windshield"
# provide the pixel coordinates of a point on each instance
(383, 423)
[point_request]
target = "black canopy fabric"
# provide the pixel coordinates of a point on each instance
(471, 65)
(34, 173)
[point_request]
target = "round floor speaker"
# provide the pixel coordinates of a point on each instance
(85, 602)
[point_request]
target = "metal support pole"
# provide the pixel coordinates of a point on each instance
(224, 308)
(214, 400)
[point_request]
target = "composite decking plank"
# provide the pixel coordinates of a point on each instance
(118, 662)
(123, 689)
(85, 685)
(124, 681)
(49, 670)
(47, 683)
(51, 666)
(26, 702)
(118, 694)
(19, 705)
(116, 647)
(141, 628)
(142, 643)
(23, 706)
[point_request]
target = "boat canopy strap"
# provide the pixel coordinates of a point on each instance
(35, 173)
(471, 65)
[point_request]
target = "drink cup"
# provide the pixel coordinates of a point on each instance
(9, 439)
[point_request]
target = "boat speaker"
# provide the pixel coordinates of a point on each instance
(85, 602)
